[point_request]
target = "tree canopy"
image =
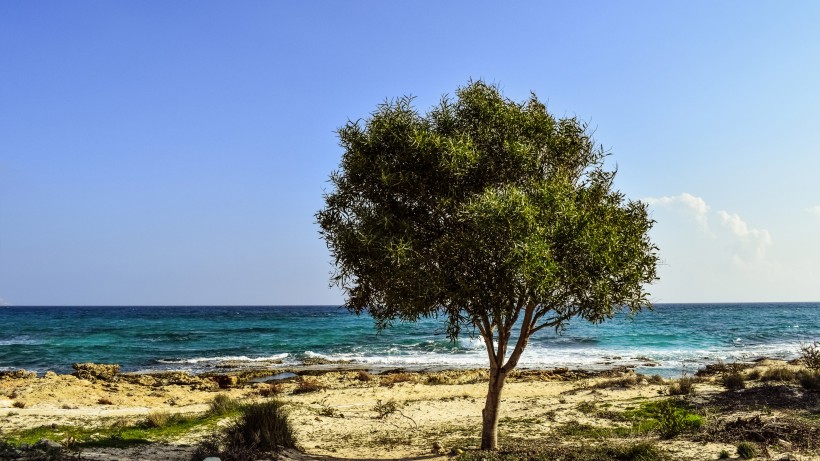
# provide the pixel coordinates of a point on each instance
(489, 213)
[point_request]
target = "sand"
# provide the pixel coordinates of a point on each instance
(358, 415)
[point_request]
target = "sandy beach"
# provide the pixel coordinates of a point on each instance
(352, 414)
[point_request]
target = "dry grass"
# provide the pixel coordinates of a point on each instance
(395, 378)
(308, 385)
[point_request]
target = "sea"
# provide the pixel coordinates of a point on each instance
(670, 340)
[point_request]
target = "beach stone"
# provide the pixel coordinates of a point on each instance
(96, 371)
(50, 375)
(47, 445)
(211, 458)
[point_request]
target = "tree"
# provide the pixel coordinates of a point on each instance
(488, 213)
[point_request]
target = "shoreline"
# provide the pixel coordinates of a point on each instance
(332, 407)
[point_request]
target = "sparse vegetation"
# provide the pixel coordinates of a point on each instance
(395, 378)
(271, 390)
(308, 385)
(733, 381)
(158, 418)
(746, 450)
(19, 404)
(622, 381)
(683, 386)
(538, 450)
(261, 428)
(669, 418)
(810, 356)
(782, 374)
(364, 376)
(223, 404)
(385, 409)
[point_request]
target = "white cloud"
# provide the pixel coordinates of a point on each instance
(695, 205)
(815, 210)
(754, 240)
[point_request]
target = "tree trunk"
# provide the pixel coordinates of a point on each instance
(489, 429)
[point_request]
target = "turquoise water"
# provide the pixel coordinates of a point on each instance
(665, 341)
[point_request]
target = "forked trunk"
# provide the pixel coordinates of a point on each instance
(489, 429)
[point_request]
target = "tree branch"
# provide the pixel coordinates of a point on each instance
(523, 337)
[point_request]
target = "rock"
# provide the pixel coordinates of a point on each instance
(437, 447)
(17, 374)
(226, 381)
(96, 371)
(50, 375)
(211, 458)
(47, 445)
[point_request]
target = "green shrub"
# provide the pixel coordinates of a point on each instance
(746, 450)
(223, 404)
(673, 420)
(263, 426)
(668, 417)
(810, 380)
(724, 454)
(733, 381)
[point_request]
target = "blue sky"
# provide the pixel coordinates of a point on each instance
(175, 152)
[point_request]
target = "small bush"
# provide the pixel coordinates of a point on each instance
(364, 376)
(810, 356)
(684, 386)
(327, 410)
(779, 374)
(746, 450)
(754, 375)
(733, 381)
(724, 454)
(19, 404)
(385, 409)
(223, 404)
(105, 401)
(810, 380)
(667, 417)
(263, 427)
(307, 385)
(656, 379)
(673, 420)
(159, 418)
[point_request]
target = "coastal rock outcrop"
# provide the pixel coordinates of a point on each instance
(96, 371)
(17, 374)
